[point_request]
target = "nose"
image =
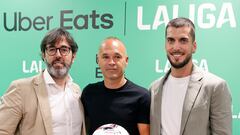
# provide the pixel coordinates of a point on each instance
(177, 46)
(111, 61)
(58, 54)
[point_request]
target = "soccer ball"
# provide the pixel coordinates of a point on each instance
(110, 129)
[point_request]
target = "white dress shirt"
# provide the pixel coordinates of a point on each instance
(64, 105)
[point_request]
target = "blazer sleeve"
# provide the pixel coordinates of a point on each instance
(10, 110)
(221, 112)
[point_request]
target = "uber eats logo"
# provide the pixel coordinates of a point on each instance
(69, 19)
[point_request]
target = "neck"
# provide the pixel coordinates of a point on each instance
(182, 72)
(61, 81)
(114, 84)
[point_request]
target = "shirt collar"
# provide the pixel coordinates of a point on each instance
(49, 80)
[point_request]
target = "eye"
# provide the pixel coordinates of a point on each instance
(118, 56)
(51, 49)
(183, 40)
(170, 40)
(105, 57)
(64, 49)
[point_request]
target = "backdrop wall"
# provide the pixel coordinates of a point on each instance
(139, 23)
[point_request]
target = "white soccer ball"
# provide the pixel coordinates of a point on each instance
(110, 129)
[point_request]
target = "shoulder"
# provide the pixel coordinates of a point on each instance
(20, 88)
(24, 83)
(213, 83)
(155, 85)
(137, 88)
(92, 89)
(134, 85)
(156, 82)
(207, 77)
(141, 94)
(76, 86)
(93, 85)
(212, 78)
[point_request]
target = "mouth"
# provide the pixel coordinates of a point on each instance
(111, 69)
(58, 64)
(177, 55)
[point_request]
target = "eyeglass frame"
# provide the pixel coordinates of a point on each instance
(58, 49)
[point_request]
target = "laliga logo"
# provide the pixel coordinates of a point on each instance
(110, 129)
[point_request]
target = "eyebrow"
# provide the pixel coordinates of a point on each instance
(116, 53)
(170, 38)
(60, 46)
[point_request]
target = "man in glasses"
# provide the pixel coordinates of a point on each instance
(48, 103)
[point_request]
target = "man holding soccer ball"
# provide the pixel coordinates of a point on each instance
(115, 100)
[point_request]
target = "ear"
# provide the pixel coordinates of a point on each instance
(194, 48)
(43, 56)
(97, 60)
(74, 57)
(126, 60)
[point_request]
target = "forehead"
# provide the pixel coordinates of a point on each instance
(173, 32)
(60, 42)
(112, 47)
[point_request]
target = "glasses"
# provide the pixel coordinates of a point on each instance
(64, 50)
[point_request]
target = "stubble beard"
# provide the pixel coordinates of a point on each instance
(182, 64)
(58, 73)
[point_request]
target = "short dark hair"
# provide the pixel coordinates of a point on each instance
(181, 22)
(56, 35)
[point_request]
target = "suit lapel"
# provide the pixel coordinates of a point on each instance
(41, 92)
(157, 112)
(156, 106)
(194, 87)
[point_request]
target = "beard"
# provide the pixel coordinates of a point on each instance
(181, 64)
(58, 73)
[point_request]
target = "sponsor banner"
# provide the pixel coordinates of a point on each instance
(141, 26)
